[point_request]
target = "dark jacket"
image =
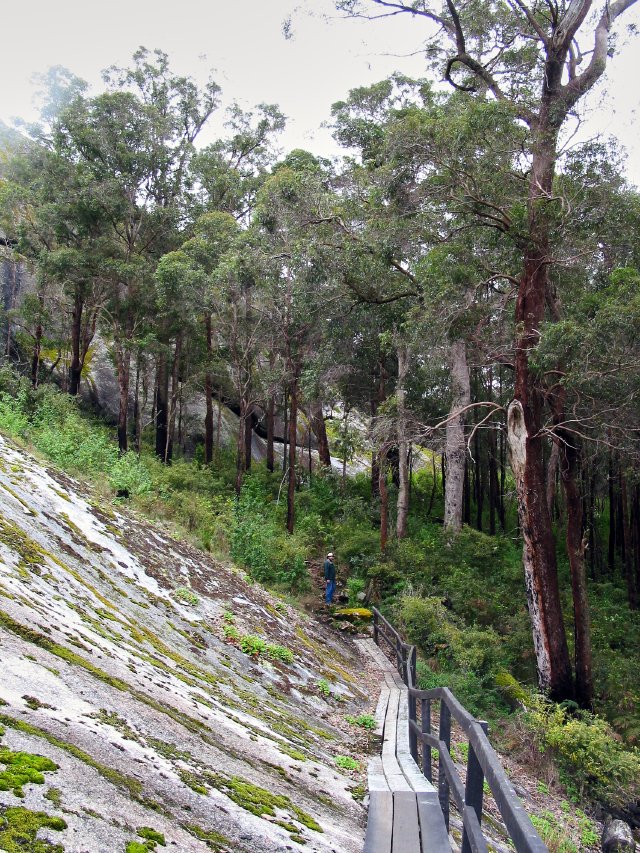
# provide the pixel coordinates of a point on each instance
(329, 570)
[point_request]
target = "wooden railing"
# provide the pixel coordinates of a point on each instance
(483, 762)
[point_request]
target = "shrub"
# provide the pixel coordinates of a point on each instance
(347, 763)
(595, 763)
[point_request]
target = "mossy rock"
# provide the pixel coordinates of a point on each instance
(354, 614)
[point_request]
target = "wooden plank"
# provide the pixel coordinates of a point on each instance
(376, 779)
(433, 833)
(381, 712)
(406, 829)
(379, 823)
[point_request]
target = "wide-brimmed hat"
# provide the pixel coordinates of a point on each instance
(330, 554)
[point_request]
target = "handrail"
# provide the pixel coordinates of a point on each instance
(483, 762)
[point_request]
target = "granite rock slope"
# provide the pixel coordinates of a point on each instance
(129, 712)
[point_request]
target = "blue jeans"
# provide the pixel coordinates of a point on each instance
(331, 588)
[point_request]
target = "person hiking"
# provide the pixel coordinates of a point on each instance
(329, 578)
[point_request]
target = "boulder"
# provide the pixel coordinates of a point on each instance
(617, 836)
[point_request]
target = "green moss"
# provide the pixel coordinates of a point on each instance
(24, 504)
(111, 718)
(194, 782)
(133, 786)
(19, 829)
(22, 768)
(34, 703)
(54, 795)
(258, 800)
(214, 840)
(151, 835)
(168, 750)
(44, 642)
(137, 847)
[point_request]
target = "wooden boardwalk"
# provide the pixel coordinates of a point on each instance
(404, 811)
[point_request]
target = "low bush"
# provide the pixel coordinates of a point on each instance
(594, 762)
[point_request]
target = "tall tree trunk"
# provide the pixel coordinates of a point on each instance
(123, 365)
(629, 569)
(271, 409)
(455, 452)
(569, 468)
(248, 436)
(479, 480)
(494, 487)
(173, 399)
(137, 415)
(293, 432)
(162, 405)
(285, 458)
(75, 366)
(403, 445)
(636, 539)
(35, 357)
(611, 556)
(219, 422)
(552, 476)
(240, 445)
(208, 393)
(524, 424)
(384, 503)
(433, 484)
(320, 432)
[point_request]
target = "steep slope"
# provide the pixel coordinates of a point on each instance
(120, 664)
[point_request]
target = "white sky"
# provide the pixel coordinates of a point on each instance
(253, 62)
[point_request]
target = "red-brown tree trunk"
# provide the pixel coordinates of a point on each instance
(75, 366)
(320, 432)
(569, 468)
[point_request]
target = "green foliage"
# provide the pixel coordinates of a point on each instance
(186, 596)
(365, 721)
(22, 768)
(595, 763)
(19, 829)
(345, 762)
(324, 687)
(260, 542)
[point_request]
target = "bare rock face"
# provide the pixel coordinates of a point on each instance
(617, 838)
(134, 707)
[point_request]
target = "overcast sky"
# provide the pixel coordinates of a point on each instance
(253, 62)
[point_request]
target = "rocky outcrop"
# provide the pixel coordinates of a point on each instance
(617, 837)
(128, 705)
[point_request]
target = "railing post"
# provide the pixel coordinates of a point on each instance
(376, 638)
(474, 787)
(425, 712)
(411, 683)
(399, 655)
(443, 782)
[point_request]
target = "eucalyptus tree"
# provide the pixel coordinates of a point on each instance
(61, 230)
(295, 217)
(420, 161)
(538, 60)
(135, 141)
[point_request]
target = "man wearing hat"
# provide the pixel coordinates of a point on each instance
(329, 578)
